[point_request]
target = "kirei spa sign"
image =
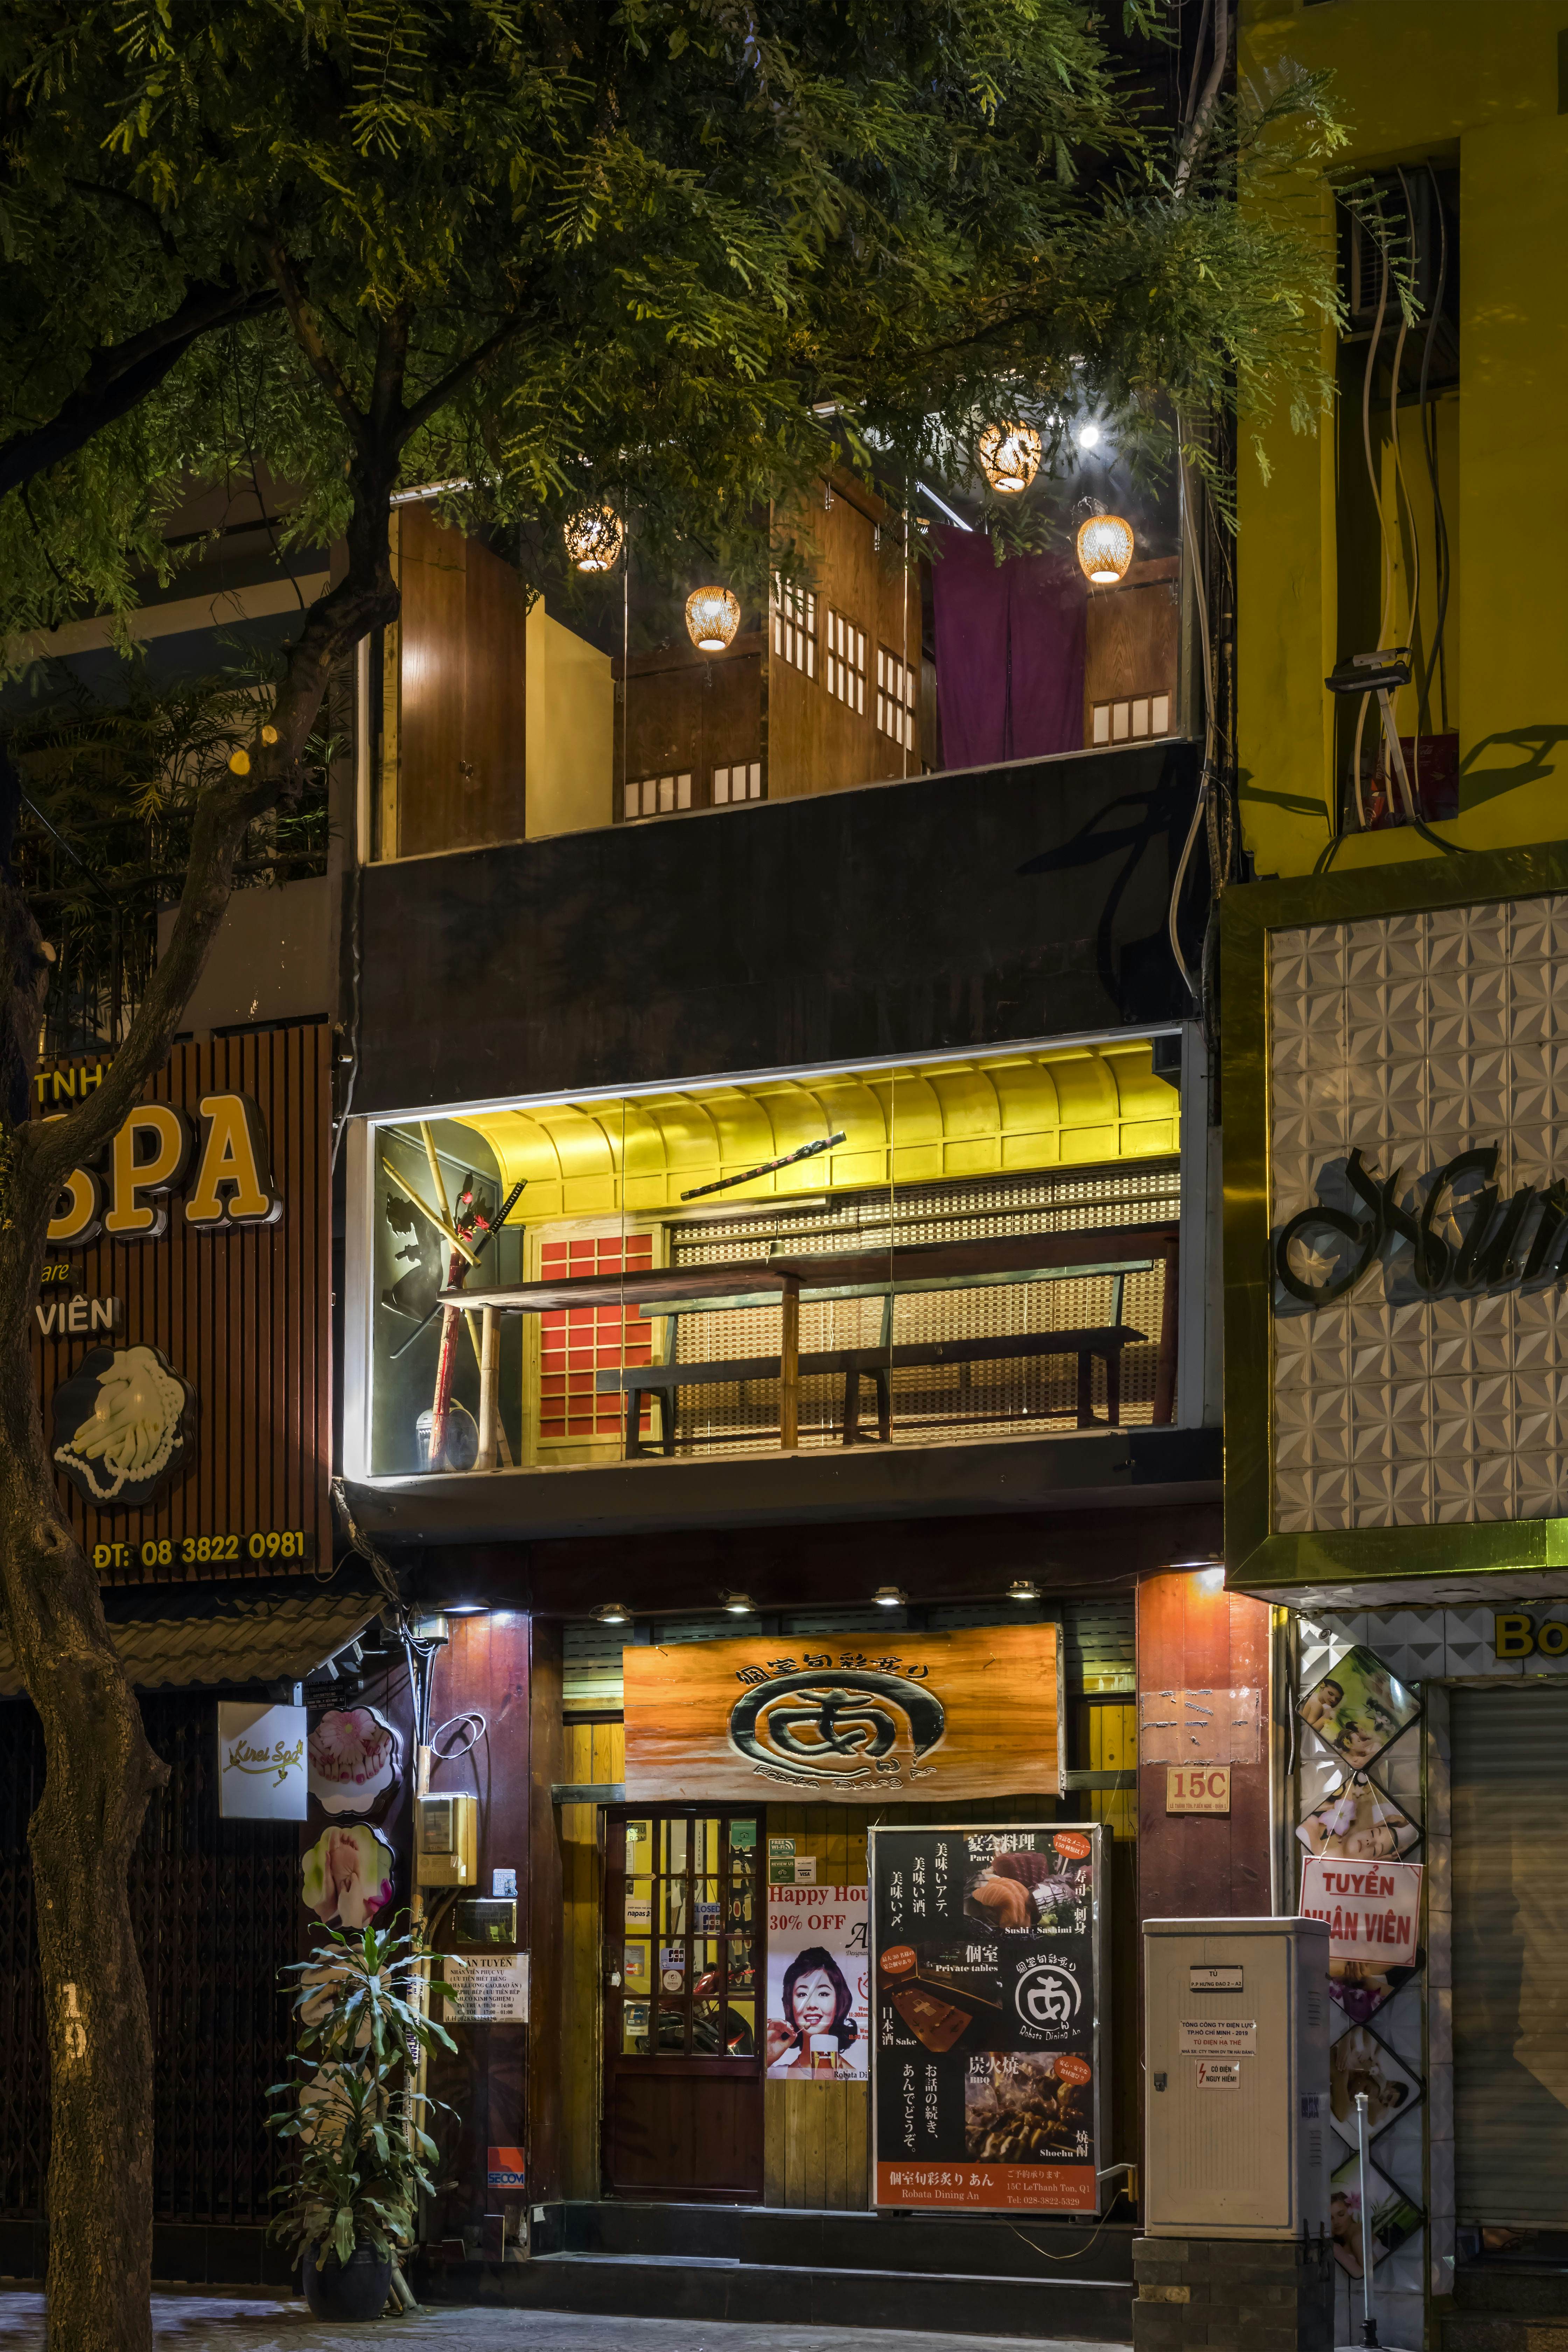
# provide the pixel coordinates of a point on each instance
(1418, 1216)
(859, 1721)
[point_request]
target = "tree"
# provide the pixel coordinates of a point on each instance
(674, 255)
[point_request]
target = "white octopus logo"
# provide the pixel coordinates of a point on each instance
(1046, 1996)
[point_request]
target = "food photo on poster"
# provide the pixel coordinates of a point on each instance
(352, 1754)
(988, 2059)
(817, 2017)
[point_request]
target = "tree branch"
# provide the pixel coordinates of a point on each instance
(122, 374)
(456, 377)
(307, 335)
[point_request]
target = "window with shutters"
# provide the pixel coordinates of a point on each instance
(657, 795)
(575, 1344)
(795, 625)
(895, 697)
(845, 661)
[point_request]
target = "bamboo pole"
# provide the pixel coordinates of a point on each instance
(789, 1368)
(425, 1211)
(437, 1181)
(488, 1360)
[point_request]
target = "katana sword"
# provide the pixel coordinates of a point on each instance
(806, 1152)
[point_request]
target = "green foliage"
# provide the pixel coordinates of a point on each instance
(675, 254)
(365, 2156)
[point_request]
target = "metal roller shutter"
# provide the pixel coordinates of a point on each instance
(1510, 1956)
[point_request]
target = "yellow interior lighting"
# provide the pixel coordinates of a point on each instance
(996, 1114)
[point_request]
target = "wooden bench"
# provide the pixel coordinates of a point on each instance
(877, 1365)
(788, 1279)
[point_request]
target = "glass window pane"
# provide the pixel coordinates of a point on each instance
(636, 1967)
(740, 2029)
(708, 1916)
(635, 2040)
(743, 1837)
(675, 1848)
(672, 1968)
(742, 1968)
(674, 1912)
(671, 2028)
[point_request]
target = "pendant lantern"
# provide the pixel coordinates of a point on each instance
(593, 538)
(1010, 458)
(713, 617)
(1105, 545)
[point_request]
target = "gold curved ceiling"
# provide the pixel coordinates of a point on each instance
(1002, 1113)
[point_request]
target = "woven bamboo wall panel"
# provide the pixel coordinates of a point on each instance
(242, 1312)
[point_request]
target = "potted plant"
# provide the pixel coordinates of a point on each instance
(355, 2111)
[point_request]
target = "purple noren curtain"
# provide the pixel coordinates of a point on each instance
(1009, 652)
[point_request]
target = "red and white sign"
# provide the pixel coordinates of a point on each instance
(1372, 1908)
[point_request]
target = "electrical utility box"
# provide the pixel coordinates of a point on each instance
(447, 1840)
(1236, 2049)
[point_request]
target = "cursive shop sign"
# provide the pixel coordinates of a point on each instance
(1456, 1235)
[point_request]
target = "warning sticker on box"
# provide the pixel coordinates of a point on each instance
(1219, 2074)
(1218, 2037)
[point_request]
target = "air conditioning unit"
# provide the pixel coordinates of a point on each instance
(1236, 2049)
(448, 1841)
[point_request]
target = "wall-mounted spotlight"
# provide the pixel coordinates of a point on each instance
(739, 1605)
(888, 1596)
(612, 1613)
(1023, 1588)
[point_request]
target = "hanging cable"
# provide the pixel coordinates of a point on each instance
(1200, 809)
(1429, 451)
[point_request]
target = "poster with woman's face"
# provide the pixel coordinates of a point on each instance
(1358, 1707)
(817, 2019)
(1356, 1822)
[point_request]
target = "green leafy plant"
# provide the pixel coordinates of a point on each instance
(365, 2155)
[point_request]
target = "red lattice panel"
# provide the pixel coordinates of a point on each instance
(576, 1342)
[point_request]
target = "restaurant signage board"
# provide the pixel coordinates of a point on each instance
(855, 1721)
(989, 2054)
(182, 1341)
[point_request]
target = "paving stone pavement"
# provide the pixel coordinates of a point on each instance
(243, 2323)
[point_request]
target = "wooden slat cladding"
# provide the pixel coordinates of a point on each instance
(243, 1312)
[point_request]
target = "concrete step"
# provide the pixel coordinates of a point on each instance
(683, 2286)
(978, 2245)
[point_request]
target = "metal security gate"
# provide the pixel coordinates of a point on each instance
(1510, 1956)
(217, 1913)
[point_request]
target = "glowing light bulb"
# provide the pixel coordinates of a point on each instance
(1088, 437)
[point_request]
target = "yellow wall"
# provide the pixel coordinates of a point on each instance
(570, 722)
(1444, 80)
(998, 1114)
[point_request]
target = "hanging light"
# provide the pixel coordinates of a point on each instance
(1105, 545)
(1010, 458)
(593, 538)
(713, 617)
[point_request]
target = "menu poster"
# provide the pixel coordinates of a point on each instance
(988, 2055)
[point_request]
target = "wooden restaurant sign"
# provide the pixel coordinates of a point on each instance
(852, 1721)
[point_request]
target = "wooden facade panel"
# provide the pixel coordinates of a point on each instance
(1200, 1866)
(816, 743)
(1132, 636)
(242, 1312)
(590, 1752)
(460, 739)
(678, 710)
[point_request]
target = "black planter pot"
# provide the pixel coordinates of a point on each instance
(356, 2289)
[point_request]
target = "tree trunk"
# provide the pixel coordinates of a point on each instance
(101, 1772)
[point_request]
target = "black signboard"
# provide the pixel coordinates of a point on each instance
(988, 2056)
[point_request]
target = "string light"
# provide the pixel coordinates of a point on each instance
(1105, 546)
(713, 617)
(1010, 458)
(593, 538)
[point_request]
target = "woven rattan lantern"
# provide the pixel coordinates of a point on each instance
(713, 617)
(1010, 458)
(593, 538)
(1105, 545)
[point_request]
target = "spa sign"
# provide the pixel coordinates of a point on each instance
(851, 1721)
(181, 1349)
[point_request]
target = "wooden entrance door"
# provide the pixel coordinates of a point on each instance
(684, 1975)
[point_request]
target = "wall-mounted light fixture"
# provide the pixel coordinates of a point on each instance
(739, 1605)
(611, 1613)
(888, 1596)
(1009, 458)
(1023, 1588)
(467, 1608)
(713, 617)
